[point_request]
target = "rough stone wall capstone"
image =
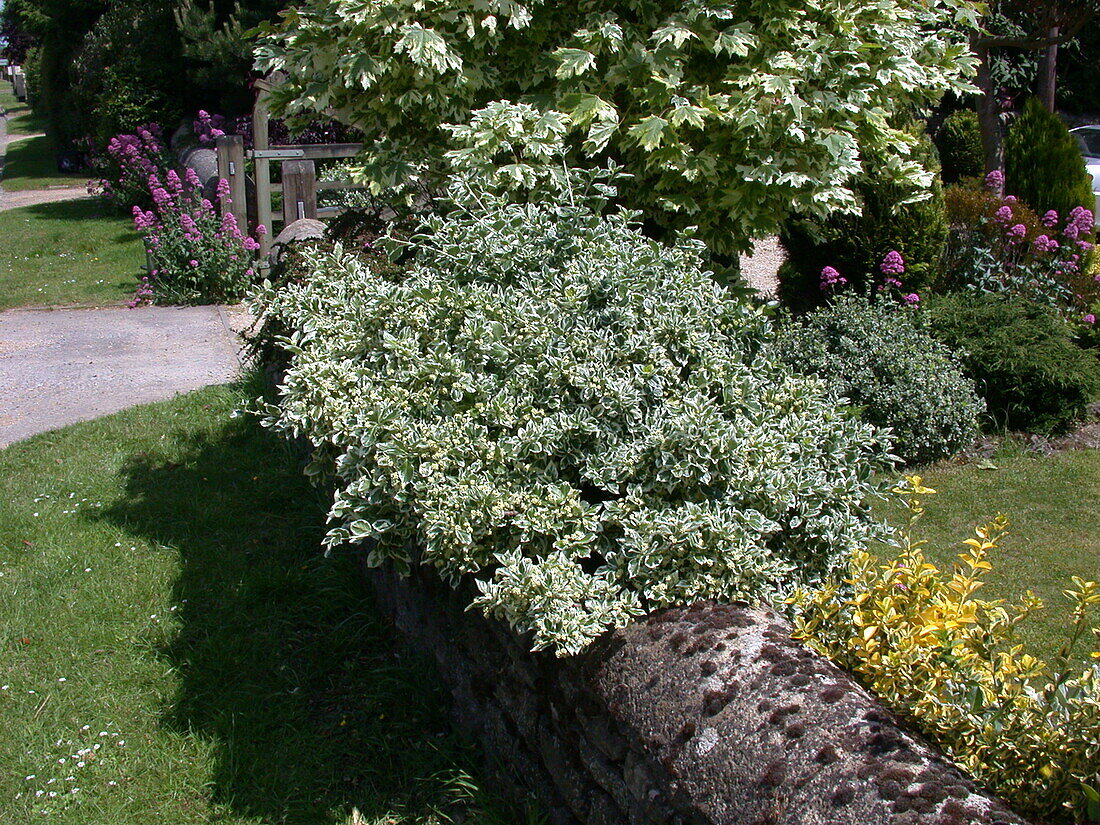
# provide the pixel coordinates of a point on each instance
(711, 714)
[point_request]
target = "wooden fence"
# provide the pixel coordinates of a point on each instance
(299, 184)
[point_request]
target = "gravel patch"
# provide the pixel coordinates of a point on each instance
(760, 267)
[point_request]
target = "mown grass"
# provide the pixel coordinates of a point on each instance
(21, 119)
(1053, 506)
(174, 645)
(31, 162)
(67, 253)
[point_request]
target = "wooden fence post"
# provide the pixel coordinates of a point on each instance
(262, 170)
(230, 150)
(299, 190)
(19, 81)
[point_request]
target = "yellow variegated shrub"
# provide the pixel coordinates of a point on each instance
(932, 650)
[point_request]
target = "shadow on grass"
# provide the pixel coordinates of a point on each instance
(34, 158)
(283, 665)
(79, 209)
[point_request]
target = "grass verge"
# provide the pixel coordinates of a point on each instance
(21, 119)
(30, 163)
(67, 253)
(1053, 506)
(174, 648)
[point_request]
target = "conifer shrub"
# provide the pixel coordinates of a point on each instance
(959, 143)
(877, 355)
(1043, 164)
(1021, 356)
(575, 417)
(855, 244)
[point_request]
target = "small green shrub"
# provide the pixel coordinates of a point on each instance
(1021, 357)
(856, 244)
(575, 416)
(876, 354)
(1043, 164)
(959, 142)
(950, 662)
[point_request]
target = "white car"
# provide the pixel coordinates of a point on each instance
(1088, 138)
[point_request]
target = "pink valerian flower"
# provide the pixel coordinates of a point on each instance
(830, 278)
(1085, 246)
(995, 181)
(1017, 231)
(193, 262)
(892, 264)
(1011, 199)
(1050, 219)
(250, 244)
(912, 299)
(261, 230)
(1082, 219)
(1045, 243)
(1089, 318)
(1071, 231)
(223, 189)
(143, 294)
(192, 178)
(1003, 214)
(172, 182)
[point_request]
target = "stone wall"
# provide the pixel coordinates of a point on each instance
(706, 715)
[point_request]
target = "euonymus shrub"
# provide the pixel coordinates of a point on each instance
(876, 354)
(949, 661)
(575, 416)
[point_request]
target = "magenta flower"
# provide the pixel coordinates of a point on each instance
(1089, 318)
(193, 262)
(193, 178)
(261, 230)
(831, 278)
(1004, 214)
(1017, 231)
(892, 264)
(1045, 243)
(995, 180)
(1050, 219)
(223, 188)
(913, 299)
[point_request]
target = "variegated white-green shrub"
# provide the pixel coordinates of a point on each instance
(579, 418)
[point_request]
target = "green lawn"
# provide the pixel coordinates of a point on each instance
(1053, 506)
(20, 119)
(67, 253)
(30, 163)
(174, 647)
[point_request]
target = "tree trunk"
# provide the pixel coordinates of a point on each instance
(1048, 72)
(988, 117)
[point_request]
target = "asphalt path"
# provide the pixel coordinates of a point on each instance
(61, 366)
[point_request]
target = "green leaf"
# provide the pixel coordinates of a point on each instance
(573, 62)
(650, 132)
(600, 134)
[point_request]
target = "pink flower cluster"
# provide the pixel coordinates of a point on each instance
(130, 159)
(207, 127)
(199, 255)
(831, 279)
(892, 264)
